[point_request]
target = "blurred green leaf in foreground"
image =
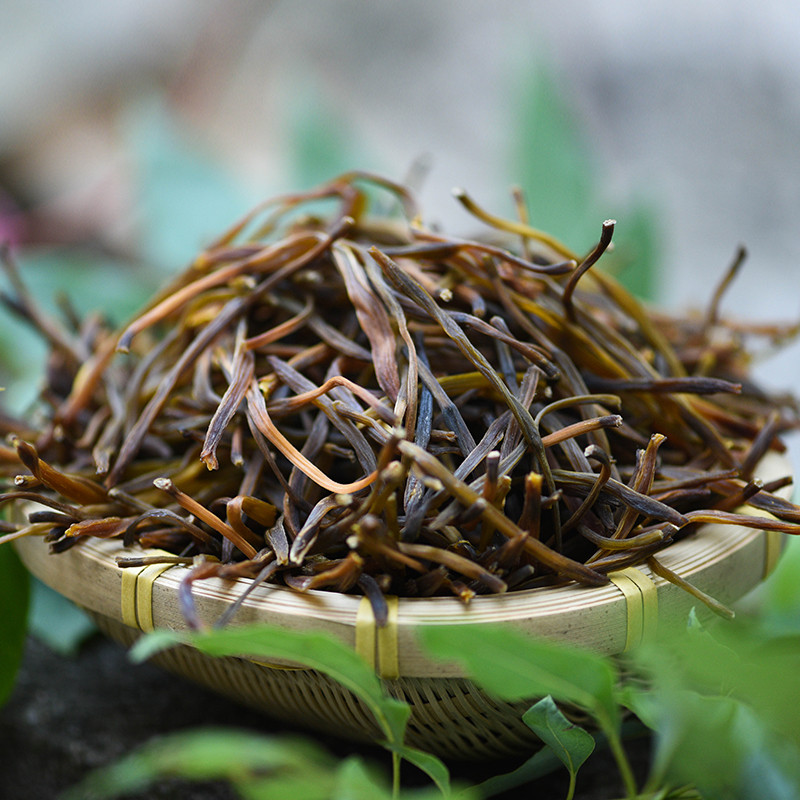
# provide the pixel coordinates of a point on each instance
(321, 653)
(258, 767)
(14, 592)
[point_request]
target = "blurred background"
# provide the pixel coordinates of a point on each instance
(132, 132)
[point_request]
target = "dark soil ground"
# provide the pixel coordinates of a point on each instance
(69, 716)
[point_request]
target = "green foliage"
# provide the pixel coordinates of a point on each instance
(58, 622)
(552, 161)
(210, 754)
(14, 591)
(322, 143)
(314, 651)
(723, 746)
(516, 667)
(779, 614)
(723, 705)
(570, 743)
(183, 195)
(258, 767)
(541, 763)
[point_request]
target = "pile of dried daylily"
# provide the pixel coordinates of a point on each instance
(354, 402)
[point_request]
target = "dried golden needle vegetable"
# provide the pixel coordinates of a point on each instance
(353, 402)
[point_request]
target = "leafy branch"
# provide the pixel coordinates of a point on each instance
(318, 652)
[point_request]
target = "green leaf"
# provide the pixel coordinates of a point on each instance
(321, 143)
(355, 781)
(14, 593)
(738, 660)
(430, 764)
(514, 667)
(58, 622)
(258, 767)
(552, 163)
(571, 743)
(314, 784)
(205, 754)
(541, 763)
(729, 693)
(723, 747)
(639, 700)
(781, 611)
(693, 622)
(313, 650)
(634, 260)
(183, 194)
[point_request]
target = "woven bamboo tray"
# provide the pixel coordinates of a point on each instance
(450, 715)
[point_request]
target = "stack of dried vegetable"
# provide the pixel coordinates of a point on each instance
(353, 402)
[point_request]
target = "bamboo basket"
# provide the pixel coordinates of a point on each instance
(450, 715)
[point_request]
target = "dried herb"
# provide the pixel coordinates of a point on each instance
(353, 402)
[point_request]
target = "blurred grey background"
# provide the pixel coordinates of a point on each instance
(137, 129)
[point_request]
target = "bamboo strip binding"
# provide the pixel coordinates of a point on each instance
(641, 605)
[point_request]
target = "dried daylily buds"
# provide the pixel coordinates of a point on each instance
(352, 402)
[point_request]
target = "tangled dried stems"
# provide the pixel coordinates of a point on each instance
(333, 398)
